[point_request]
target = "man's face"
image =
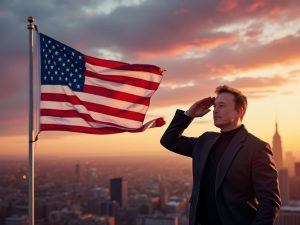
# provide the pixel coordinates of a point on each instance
(226, 116)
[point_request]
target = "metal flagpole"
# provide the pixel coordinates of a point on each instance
(31, 28)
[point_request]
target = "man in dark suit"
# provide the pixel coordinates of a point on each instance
(235, 181)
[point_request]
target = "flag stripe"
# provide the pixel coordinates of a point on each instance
(47, 100)
(129, 89)
(126, 73)
(123, 66)
(96, 115)
(104, 130)
(116, 95)
(100, 118)
(150, 85)
(89, 130)
(64, 90)
(72, 114)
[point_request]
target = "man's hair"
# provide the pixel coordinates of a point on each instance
(239, 98)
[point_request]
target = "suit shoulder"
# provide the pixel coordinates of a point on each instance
(259, 143)
(209, 134)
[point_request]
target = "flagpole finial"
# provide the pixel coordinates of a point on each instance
(31, 25)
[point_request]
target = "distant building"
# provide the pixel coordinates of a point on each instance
(157, 220)
(109, 208)
(163, 194)
(144, 203)
(277, 148)
(89, 219)
(295, 183)
(100, 193)
(78, 172)
(289, 215)
(290, 163)
(284, 185)
(176, 205)
(16, 220)
(91, 176)
(297, 169)
(95, 220)
(295, 188)
(119, 191)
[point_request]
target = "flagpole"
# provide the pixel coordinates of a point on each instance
(31, 28)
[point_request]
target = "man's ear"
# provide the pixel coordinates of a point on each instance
(241, 112)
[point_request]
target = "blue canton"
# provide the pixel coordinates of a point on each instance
(60, 64)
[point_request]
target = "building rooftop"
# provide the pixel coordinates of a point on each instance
(293, 206)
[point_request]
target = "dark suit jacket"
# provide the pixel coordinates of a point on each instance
(246, 181)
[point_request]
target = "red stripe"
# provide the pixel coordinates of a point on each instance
(75, 114)
(137, 82)
(136, 116)
(89, 130)
(116, 95)
(158, 123)
(105, 130)
(123, 66)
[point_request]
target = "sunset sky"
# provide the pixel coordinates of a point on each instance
(251, 45)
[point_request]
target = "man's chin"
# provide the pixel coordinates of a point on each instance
(217, 125)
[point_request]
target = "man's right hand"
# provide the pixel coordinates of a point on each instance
(201, 107)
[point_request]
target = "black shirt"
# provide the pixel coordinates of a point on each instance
(207, 205)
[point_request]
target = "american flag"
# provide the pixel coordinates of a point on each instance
(80, 93)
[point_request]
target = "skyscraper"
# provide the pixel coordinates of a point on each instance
(290, 163)
(78, 172)
(284, 185)
(297, 169)
(119, 191)
(277, 148)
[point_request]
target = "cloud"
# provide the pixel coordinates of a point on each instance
(191, 39)
(227, 5)
(227, 60)
(262, 82)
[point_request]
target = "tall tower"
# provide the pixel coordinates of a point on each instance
(119, 191)
(78, 172)
(277, 148)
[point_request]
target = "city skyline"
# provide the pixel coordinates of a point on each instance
(74, 190)
(253, 46)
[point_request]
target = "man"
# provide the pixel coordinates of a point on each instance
(235, 181)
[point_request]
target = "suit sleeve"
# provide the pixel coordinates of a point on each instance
(265, 180)
(173, 139)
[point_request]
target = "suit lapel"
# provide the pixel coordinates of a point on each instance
(228, 156)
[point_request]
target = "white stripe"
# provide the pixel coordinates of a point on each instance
(136, 74)
(95, 115)
(60, 89)
(65, 121)
(71, 121)
(119, 87)
(76, 121)
(81, 122)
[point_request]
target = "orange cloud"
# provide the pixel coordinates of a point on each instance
(256, 5)
(281, 52)
(199, 45)
(262, 82)
(227, 5)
